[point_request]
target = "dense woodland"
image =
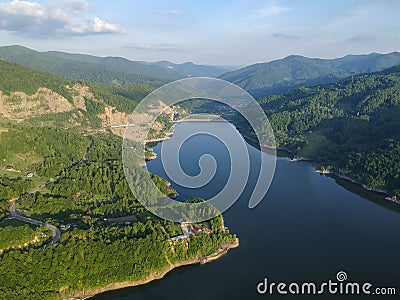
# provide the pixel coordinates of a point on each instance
(77, 264)
(119, 96)
(15, 78)
(351, 127)
(44, 151)
(15, 234)
(88, 201)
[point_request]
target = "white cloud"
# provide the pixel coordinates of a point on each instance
(97, 25)
(52, 19)
(272, 9)
(22, 8)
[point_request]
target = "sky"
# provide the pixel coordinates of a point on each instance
(218, 32)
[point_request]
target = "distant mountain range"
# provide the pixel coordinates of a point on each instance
(263, 79)
(190, 69)
(105, 69)
(279, 76)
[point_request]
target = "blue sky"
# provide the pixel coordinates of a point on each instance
(209, 32)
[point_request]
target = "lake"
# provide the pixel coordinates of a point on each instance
(308, 228)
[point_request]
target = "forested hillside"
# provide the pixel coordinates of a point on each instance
(92, 203)
(16, 78)
(279, 76)
(21, 84)
(86, 67)
(42, 117)
(60, 157)
(352, 127)
(106, 70)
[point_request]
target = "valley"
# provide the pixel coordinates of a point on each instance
(60, 164)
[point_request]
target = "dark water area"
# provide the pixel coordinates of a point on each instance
(307, 229)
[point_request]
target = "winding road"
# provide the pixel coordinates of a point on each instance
(14, 213)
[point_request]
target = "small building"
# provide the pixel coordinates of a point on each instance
(29, 175)
(65, 227)
(179, 237)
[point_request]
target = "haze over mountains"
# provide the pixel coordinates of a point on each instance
(190, 69)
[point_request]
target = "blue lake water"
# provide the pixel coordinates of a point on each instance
(307, 228)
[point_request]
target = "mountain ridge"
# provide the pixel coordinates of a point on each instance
(108, 69)
(82, 67)
(190, 69)
(279, 76)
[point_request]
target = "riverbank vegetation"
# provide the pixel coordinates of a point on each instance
(77, 265)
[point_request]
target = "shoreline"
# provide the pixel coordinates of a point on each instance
(158, 140)
(226, 247)
(364, 186)
(252, 142)
(158, 275)
(83, 295)
(294, 158)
